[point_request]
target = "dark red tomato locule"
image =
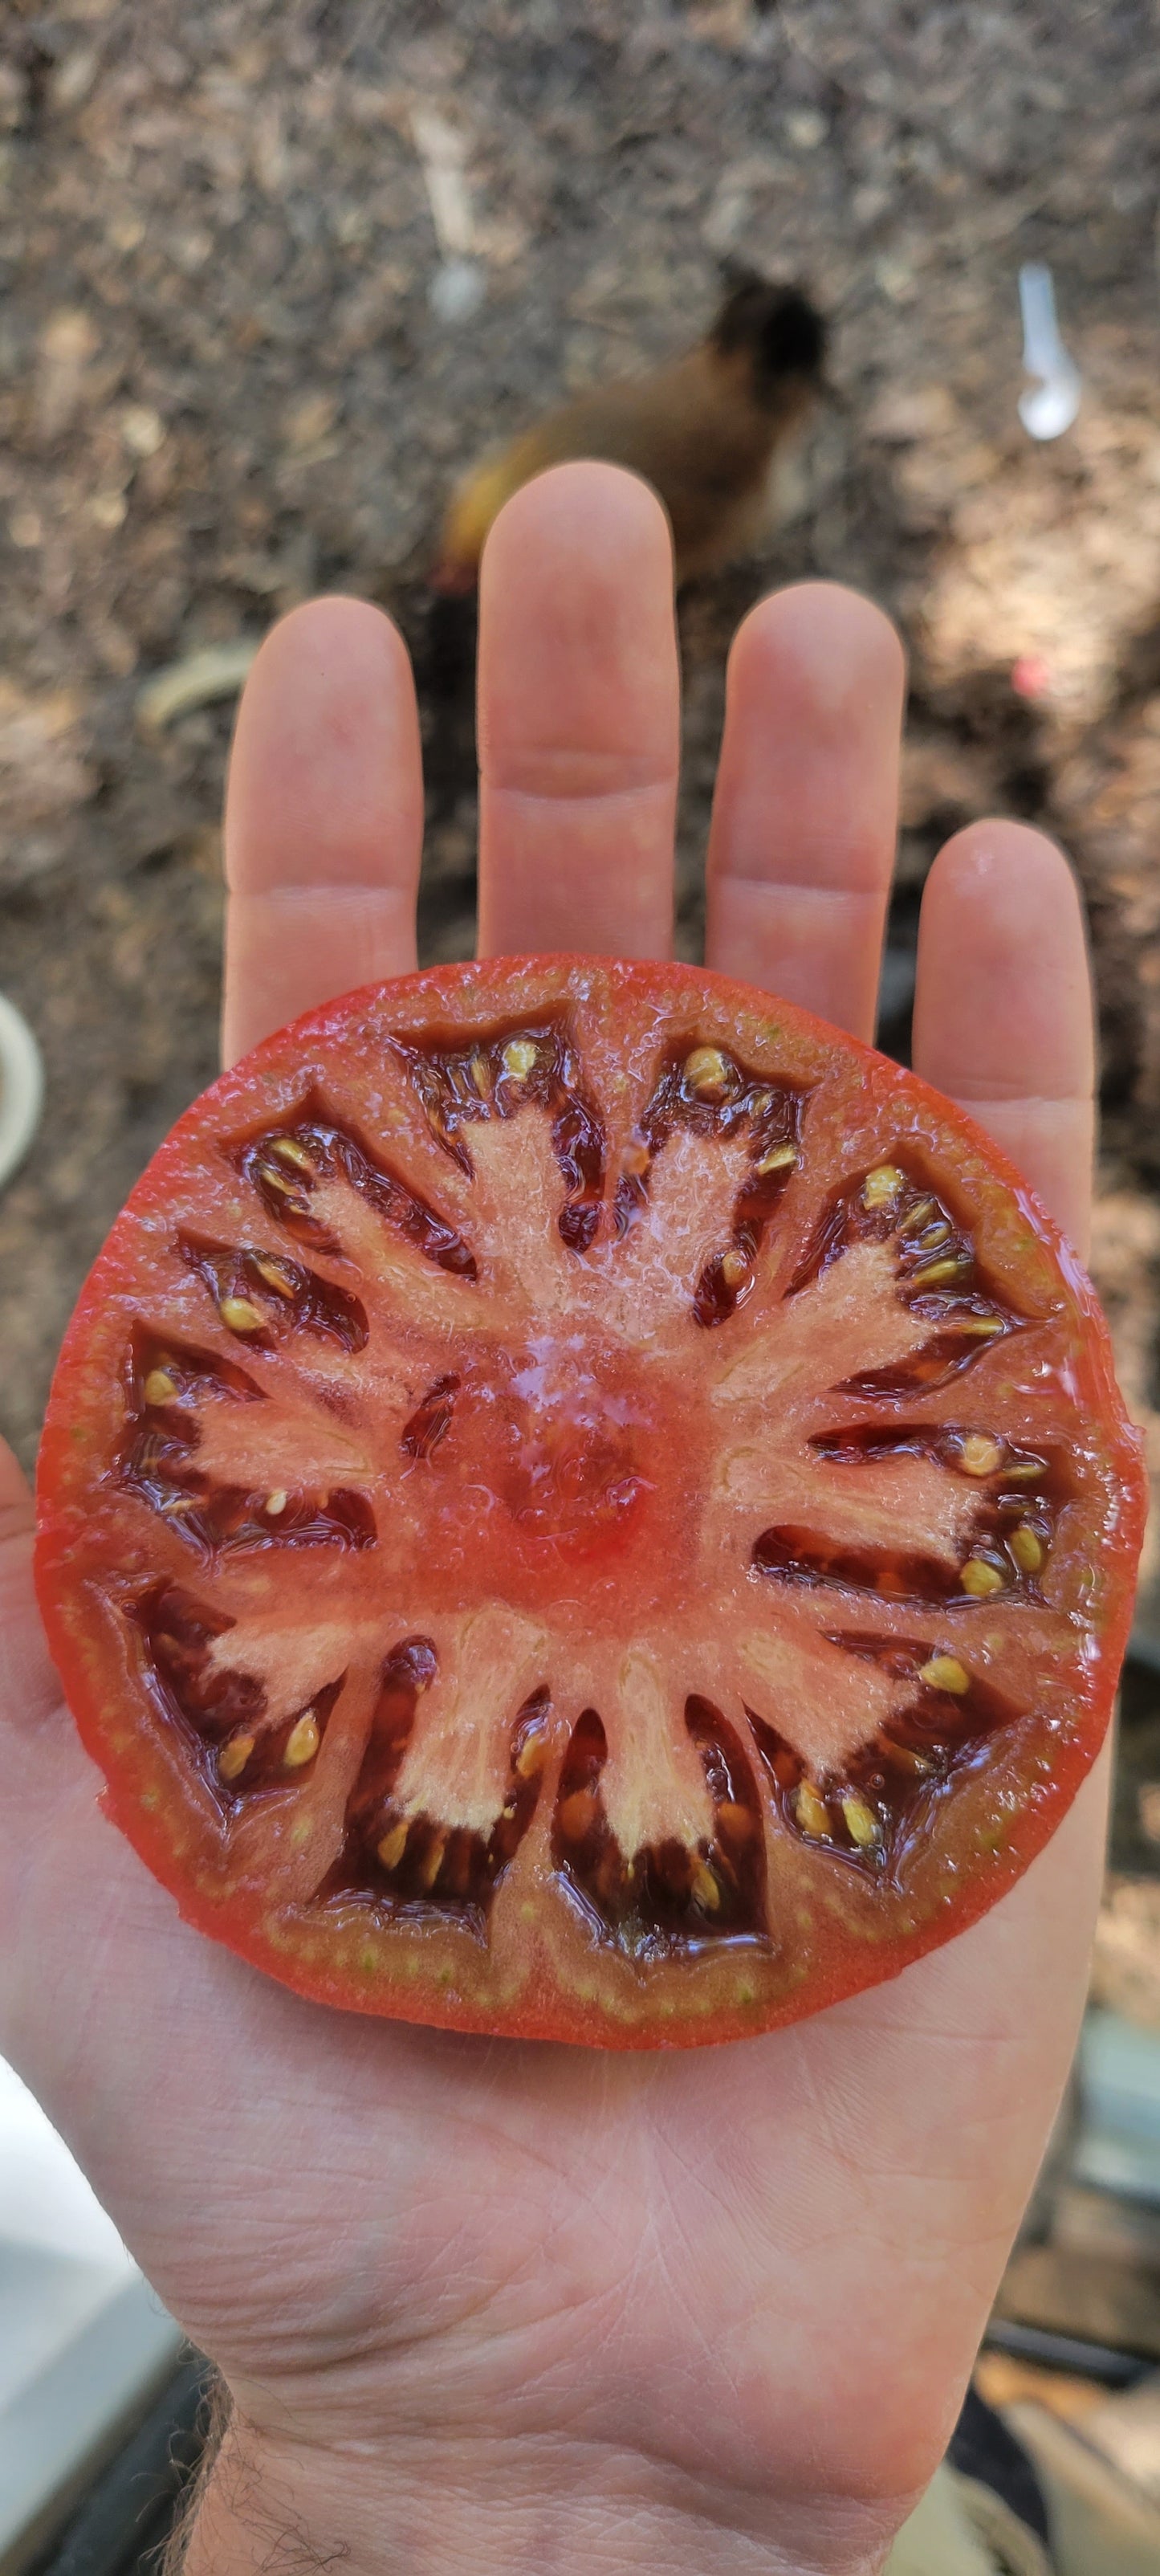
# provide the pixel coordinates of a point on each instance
(580, 1502)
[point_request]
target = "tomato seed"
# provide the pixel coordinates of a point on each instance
(301, 1743)
(919, 1216)
(903, 1757)
(279, 1181)
(705, 1890)
(1027, 1549)
(933, 1273)
(532, 1755)
(981, 1579)
(275, 1274)
(883, 1187)
(240, 1315)
(393, 1845)
(709, 1074)
(945, 1673)
(862, 1823)
(275, 1503)
(160, 1388)
(291, 1151)
(812, 1814)
(432, 1861)
(979, 1455)
(520, 1057)
(1025, 1471)
(734, 1267)
(234, 1756)
(780, 1158)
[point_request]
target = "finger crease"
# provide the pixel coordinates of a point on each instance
(805, 887)
(1035, 1102)
(608, 800)
(352, 890)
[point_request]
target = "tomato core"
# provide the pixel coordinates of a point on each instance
(562, 1435)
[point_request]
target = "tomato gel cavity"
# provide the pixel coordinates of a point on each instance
(578, 1501)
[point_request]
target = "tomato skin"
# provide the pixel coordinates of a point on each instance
(95, 1554)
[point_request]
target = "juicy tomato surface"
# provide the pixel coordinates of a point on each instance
(581, 1502)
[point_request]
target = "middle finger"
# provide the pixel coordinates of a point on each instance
(579, 719)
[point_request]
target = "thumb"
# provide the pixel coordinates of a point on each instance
(41, 1760)
(28, 1684)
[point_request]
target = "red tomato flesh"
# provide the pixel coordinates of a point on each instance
(578, 1501)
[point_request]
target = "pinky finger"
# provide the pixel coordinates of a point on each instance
(1003, 1007)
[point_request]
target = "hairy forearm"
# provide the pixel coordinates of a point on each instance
(264, 2509)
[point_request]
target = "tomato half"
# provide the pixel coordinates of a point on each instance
(578, 1501)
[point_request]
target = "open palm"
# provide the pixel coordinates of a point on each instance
(488, 2303)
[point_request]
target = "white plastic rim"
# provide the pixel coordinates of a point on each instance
(21, 1089)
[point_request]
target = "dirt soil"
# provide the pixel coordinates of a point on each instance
(231, 374)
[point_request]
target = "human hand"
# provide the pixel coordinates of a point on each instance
(483, 2304)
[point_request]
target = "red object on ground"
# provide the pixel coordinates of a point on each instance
(579, 1501)
(1030, 676)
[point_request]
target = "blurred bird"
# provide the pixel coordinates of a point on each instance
(708, 432)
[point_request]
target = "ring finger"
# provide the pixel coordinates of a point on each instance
(805, 812)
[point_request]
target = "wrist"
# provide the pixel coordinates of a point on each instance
(550, 2508)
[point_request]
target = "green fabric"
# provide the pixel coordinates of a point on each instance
(961, 2529)
(1102, 2524)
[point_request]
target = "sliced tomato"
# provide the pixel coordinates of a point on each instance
(580, 1502)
